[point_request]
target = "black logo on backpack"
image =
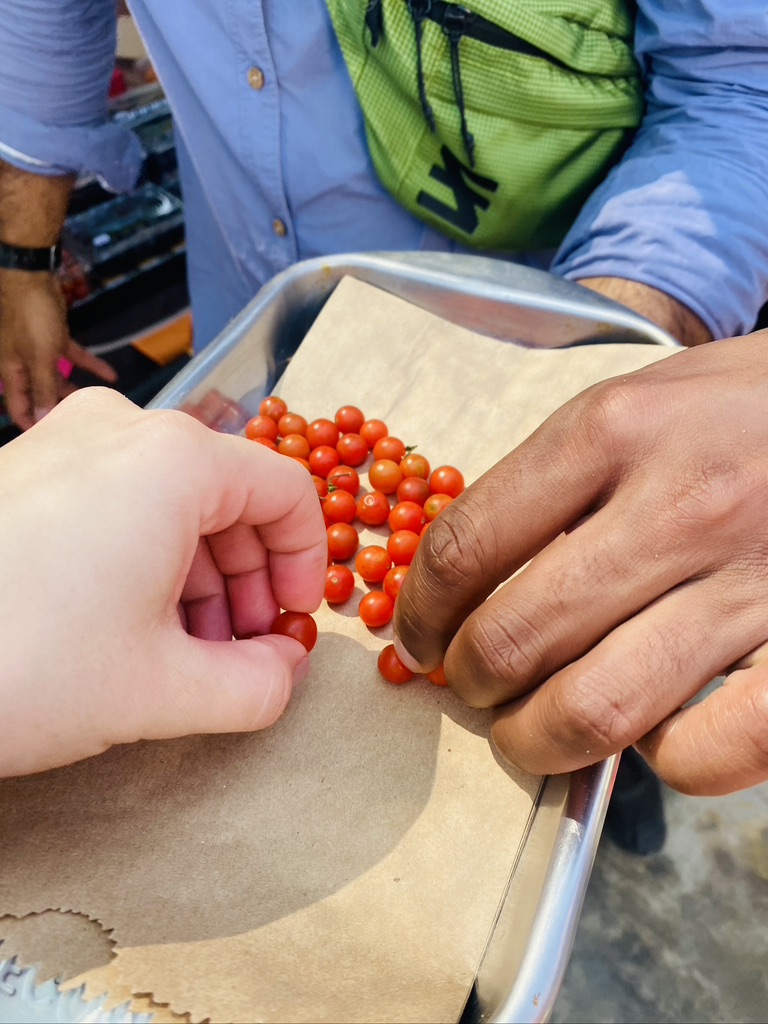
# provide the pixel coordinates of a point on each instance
(459, 178)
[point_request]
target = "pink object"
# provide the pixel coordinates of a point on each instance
(65, 368)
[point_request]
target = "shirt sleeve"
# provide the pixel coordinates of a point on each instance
(56, 61)
(686, 209)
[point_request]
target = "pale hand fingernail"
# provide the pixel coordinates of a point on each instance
(406, 658)
(39, 413)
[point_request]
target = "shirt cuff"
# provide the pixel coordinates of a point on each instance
(109, 151)
(689, 221)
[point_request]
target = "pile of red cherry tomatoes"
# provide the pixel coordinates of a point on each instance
(407, 495)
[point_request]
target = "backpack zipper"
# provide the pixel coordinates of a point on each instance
(374, 20)
(456, 22)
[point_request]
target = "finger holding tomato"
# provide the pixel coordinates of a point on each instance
(198, 536)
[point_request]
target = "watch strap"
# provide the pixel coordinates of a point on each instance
(19, 257)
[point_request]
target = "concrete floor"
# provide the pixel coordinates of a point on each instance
(681, 935)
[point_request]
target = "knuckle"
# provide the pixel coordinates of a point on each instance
(614, 410)
(716, 494)
(505, 650)
(595, 716)
(451, 551)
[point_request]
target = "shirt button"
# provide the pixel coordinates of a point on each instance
(256, 78)
(278, 226)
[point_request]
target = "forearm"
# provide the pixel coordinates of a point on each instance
(656, 306)
(56, 58)
(32, 206)
(685, 212)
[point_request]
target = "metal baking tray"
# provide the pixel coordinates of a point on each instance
(525, 959)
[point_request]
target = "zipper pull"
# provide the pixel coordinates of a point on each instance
(374, 21)
(419, 10)
(454, 23)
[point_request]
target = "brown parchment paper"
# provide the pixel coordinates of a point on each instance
(347, 864)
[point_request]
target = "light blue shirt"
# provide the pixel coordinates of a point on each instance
(280, 172)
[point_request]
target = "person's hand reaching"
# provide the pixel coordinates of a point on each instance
(134, 545)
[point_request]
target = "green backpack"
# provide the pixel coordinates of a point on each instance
(493, 124)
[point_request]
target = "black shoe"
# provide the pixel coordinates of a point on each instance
(635, 818)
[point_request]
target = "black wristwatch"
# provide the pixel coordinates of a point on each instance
(19, 257)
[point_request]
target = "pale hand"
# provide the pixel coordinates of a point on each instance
(134, 546)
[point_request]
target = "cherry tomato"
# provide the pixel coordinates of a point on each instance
(343, 541)
(435, 504)
(302, 462)
(385, 475)
(320, 485)
(415, 465)
(402, 546)
(261, 426)
(376, 609)
(437, 676)
(373, 509)
(339, 507)
(349, 419)
(294, 444)
(273, 407)
(323, 459)
(322, 432)
(300, 625)
(292, 423)
(267, 443)
(406, 515)
(346, 478)
(353, 449)
(413, 488)
(373, 563)
(394, 580)
(446, 480)
(373, 431)
(339, 584)
(389, 448)
(391, 668)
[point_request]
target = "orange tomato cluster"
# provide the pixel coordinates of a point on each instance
(406, 495)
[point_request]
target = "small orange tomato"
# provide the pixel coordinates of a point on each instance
(299, 625)
(267, 443)
(339, 507)
(373, 431)
(352, 449)
(373, 509)
(343, 541)
(373, 563)
(435, 504)
(261, 426)
(349, 419)
(402, 546)
(294, 444)
(339, 584)
(292, 423)
(446, 480)
(385, 476)
(389, 448)
(322, 432)
(273, 407)
(415, 465)
(323, 459)
(394, 580)
(437, 676)
(346, 478)
(391, 668)
(376, 609)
